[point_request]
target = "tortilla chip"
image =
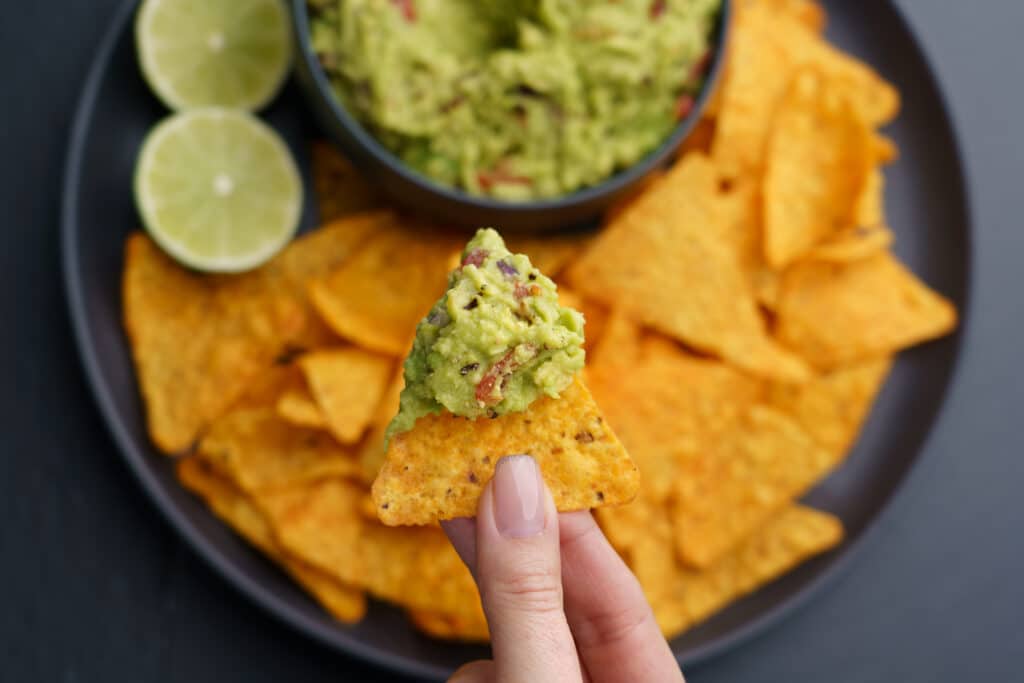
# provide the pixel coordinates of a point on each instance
(227, 502)
(298, 407)
(371, 451)
(853, 244)
(198, 340)
(699, 139)
(819, 155)
(318, 252)
(194, 349)
(339, 188)
(550, 254)
(619, 347)
(378, 295)
(347, 384)
(462, 628)
(874, 99)
(835, 314)
(870, 208)
(312, 256)
(625, 525)
(683, 597)
(414, 567)
(739, 224)
(662, 263)
(832, 406)
(741, 227)
(617, 207)
(595, 316)
(767, 47)
(257, 450)
(807, 12)
(753, 471)
(740, 206)
(438, 469)
(347, 604)
(667, 405)
(766, 288)
(367, 508)
(884, 149)
(758, 66)
(267, 387)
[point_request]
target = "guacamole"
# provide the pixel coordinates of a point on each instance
(516, 99)
(496, 341)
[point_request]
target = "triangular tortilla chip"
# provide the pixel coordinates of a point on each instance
(198, 340)
(765, 50)
(256, 449)
(376, 297)
(744, 477)
(835, 314)
(809, 13)
(870, 209)
(195, 349)
(438, 469)
(853, 244)
(415, 567)
(662, 261)
(818, 159)
(832, 406)
(666, 405)
(741, 227)
(345, 602)
(682, 597)
(298, 407)
(347, 384)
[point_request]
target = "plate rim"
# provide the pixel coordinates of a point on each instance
(344, 643)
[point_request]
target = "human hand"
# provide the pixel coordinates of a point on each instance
(561, 604)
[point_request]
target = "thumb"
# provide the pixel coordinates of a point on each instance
(518, 572)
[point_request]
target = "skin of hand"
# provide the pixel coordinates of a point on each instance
(560, 603)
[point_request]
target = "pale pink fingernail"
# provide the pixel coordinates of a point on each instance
(518, 497)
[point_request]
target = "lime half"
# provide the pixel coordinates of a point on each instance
(217, 189)
(213, 53)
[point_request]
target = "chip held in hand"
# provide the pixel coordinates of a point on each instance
(494, 371)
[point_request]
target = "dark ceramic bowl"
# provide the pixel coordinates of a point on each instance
(421, 194)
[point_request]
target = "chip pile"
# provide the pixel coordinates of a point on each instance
(743, 310)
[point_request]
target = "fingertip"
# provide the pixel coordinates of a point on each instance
(519, 576)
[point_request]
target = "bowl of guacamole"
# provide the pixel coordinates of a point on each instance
(527, 113)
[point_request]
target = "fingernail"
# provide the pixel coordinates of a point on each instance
(518, 497)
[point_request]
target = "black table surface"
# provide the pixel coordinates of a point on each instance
(95, 585)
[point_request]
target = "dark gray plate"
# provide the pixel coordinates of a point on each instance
(927, 208)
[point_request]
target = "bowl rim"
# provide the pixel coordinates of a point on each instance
(611, 185)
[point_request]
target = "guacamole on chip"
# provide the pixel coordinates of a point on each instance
(495, 342)
(516, 99)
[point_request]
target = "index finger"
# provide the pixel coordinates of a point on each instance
(616, 635)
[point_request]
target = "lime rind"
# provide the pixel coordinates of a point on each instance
(229, 217)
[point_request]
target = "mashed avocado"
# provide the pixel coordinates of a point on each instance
(516, 99)
(496, 341)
